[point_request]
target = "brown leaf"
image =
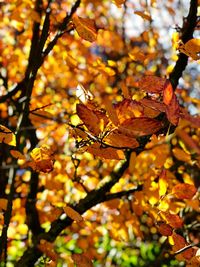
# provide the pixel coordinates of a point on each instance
(118, 139)
(173, 220)
(153, 104)
(144, 15)
(140, 126)
(81, 260)
(172, 111)
(152, 84)
(165, 229)
(74, 215)
(184, 191)
(7, 136)
(89, 118)
(16, 154)
(106, 153)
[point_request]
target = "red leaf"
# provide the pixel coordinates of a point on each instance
(174, 220)
(172, 110)
(152, 84)
(153, 104)
(184, 191)
(118, 139)
(165, 229)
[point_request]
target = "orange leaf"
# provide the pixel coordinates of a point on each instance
(184, 191)
(165, 229)
(188, 140)
(16, 154)
(42, 159)
(74, 215)
(81, 260)
(191, 48)
(6, 136)
(110, 110)
(89, 118)
(106, 153)
(172, 110)
(174, 220)
(179, 243)
(85, 27)
(3, 203)
(152, 84)
(144, 15)
(140, 126)
(168, 93)
(181, 154)
(128, 109)
(118, 139)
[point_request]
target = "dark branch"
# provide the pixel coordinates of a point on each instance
(187, 30)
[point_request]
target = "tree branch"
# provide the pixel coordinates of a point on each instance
(187, 30)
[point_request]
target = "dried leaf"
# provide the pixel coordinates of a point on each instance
(74, 215)
(153, 104)
(152, 84)
(81, 260)
(168, 93)
(85, 27)
(172, 111)
(184, 191)
(6, 136)
(143, 14)
(106, 153)
(118, 139)
(89, 118)
(140, 126)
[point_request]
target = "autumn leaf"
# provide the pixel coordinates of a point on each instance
(143, 14)
(153, 104)
(6, 136)
(74, 215)
(106, 153)
(152, 84)
(172, 111)
(140, 126)
(81, 260)
(165, 229)
(85, 27)
(17, 154)
(173, 220)
(128, 109)
(3, 203)
(168, 93)
(89, 118)
(163, 183)
(184, 191)
(191, 48)
(112, 114)
(181, 154)
(117, 139)
(42, 159)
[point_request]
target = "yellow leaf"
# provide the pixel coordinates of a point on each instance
(74, 215)
(162, 183)
(6, 136)
(3, 203)
(85, 28)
